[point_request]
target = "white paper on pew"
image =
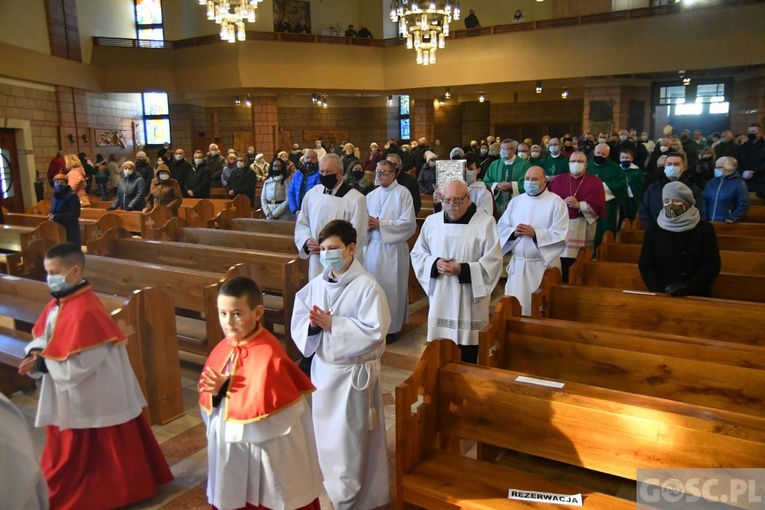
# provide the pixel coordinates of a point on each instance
(539, 382)
(545, 497)
(9, 277)
(639, 292)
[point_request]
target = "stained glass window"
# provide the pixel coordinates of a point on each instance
(155, 103)
(404, 110)
(405, 132)
(151, 34)
(148, 12)
(156, 118)
(157, 131)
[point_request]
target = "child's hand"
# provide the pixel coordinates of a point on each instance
(212, 381)
(320, 319)
(27, 366)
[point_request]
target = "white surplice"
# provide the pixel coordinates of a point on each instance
(347, 404)
(267, 462)
(91, 389)
(458, 310)
(387, 254)
(547, 213)
(482, 197)
(581, 231)
(22, 484)
(318, 209)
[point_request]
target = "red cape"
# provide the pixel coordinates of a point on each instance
(264, 380)
(588, 188)
(82, 323)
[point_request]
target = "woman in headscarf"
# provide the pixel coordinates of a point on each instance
(680, 256)
(65, 209)
(164, 191)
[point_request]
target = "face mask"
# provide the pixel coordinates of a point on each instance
(239, 164)
(357, 174)
(554, 149)
(685, 138)
(576, 168)
(623, 138)
(503, 154)
(250, 152)
(531, 187)
(59, 187)
(523, 155)
(178, 157)
(127, 173)
(198, 161)
(718, 172)
(672, 172)
(625, 164)
(601, 140)
(484, 152)
(164, 176)
(57, 283)
(751, 136)
(644, 138)
(663, 148)
(214, 153)
(332, 259)
(598, 160)
(329, 180)
(674, 210)
(589, 144)
(706, 156)
(469, 176)
(432, 164)
(535, 155)
(404, 150)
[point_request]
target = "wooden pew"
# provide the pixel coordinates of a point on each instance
(755, 214)
(719, 374)
(715, 319)
(16, 238)
(277, 243)
(626, 276)
(197, 214)
(726, 243)
(721, 229)
(279, 276)
(225, 222)
(151, 340)
(133, 221)
(733, 262)
(600, 429)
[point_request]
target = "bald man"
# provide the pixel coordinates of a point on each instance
(457, 261)
(533, 229)
(215, 163)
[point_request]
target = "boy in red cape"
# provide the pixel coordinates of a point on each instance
(261, 447)
(99, 450)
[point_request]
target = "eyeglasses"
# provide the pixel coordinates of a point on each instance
(456, 200)
(383, 172)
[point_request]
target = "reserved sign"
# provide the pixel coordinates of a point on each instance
(546, 497)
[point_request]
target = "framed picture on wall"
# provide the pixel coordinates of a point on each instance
(292, 16)
(109, 138)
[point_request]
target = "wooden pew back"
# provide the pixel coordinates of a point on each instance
(282, 227)
(726, 243)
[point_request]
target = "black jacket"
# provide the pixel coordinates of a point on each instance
(179, 170)
(65, 208)
(413, 187)
(198, 180)
(751, 156)
(691, 258)
(242, 181)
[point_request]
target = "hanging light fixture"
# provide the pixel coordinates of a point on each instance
(539, 87)
(425, 24)
(248, 101)
(564, 94)
(481, 98)
(237, 100)
(448, 93)
(390, 101)
(231, 16)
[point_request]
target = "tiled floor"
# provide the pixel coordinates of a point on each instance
(184, 443)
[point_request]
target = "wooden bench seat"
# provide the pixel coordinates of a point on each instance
(12, 344)
(721, 229)
(280, 276)
(726, 243)
(600, 429)
(278, 243)
(226, 222)
(33, 220)
(133, 221)
(142, 315)
(15, 238)
(713, 373)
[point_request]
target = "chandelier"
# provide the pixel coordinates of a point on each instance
(425, 24)
(231, 15)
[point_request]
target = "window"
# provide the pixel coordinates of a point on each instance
(156, 118)
(672, 95)
(148, 22)
(404, 126)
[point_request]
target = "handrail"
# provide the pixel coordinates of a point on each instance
(606, 17)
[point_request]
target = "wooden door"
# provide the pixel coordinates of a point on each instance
(10, 175)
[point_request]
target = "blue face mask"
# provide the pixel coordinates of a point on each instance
(332, 259)
(531, 187)
(672, 172)
(718, 172)
(503, 154)
(57, 283)
(59, 187)
(625, 164)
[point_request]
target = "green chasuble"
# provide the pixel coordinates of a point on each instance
(501, 171)
(555, 166)
(612, 176)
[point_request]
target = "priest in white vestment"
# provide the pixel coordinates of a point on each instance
(457, 260)
(342, 317)
(533, 228)
(391, 223)
(332, 199)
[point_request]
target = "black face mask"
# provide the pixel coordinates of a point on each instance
(589, 144)
(310, 166)
(357, 174)
(598, 160)
(752, 137)
(328, 181)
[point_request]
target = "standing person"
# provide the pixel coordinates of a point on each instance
(102, 181)
(242, 180)
(751, 157)
(227, 169)
(198, 180)
(99, 449)
(260, 167)
(533, 228)
(504, 172)
(585, 197)
(471, 21)
(56, 166)
(303, 180)
(342, 317)
(164, 191)
(458, 262)
(680, 256)
(427, 178)
(725, 196)
(675, 165)
(215, 163)
(273, 196)
(615, 187)
(407, 180)
(635, 184)
(359, 179)
(261, 449)
(77, 179)
(179, 169)
(374, 157)
(391, 223)
(332, 199)
(131, 192)
(65, 209)
(142, 167)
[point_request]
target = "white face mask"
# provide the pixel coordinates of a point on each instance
(576, 168)
(178, 157)
(523, 155)
(198, 161)
(332, 259)
(469, 176)
(601, 140)
(663, 148)
(535, 155)
(239, 164)
(623, 138)
(164, 176)
(214, 153)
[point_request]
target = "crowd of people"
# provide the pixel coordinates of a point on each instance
(540, 203)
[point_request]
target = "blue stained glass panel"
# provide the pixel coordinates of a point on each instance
(405, 134)
(148, 12)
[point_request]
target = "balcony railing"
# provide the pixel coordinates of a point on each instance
(589, 19)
